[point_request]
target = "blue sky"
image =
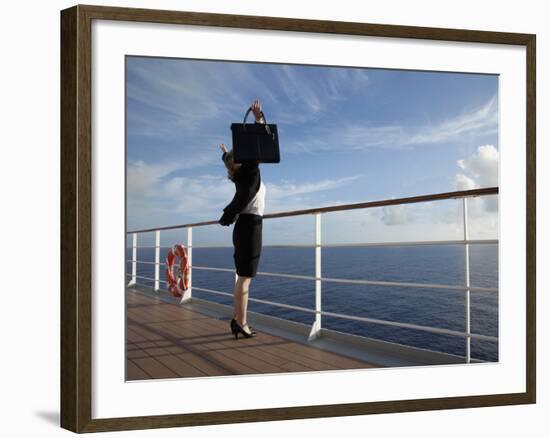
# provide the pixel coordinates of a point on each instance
(346, 135)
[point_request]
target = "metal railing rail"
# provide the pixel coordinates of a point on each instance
(466, 288)
(347, 280)
(360, 244)
(333, 208)
(357, 318)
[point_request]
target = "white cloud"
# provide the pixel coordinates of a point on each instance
(288, 196)
(184, 97)
(143, 177)
(362, 135)
(297, 90)
(185, 94)
(480, 170)
(482, 166)
(156, 198)
(341, 81)
(397, 215)
(287, 189)
(481, 121)
(462, 182)
(311, 96)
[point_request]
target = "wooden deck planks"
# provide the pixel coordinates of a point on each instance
(134, 372)
(166, 340)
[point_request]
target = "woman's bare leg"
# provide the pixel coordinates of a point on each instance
(237, 298)
(240, 300)
(244, 299)
(236, 301)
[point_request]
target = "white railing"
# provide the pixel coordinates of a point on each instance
(319, 279)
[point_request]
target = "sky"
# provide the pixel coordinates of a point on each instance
(346, 135)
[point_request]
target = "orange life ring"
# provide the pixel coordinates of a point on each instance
(177, 284)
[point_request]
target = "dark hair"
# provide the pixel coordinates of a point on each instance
(231, 166)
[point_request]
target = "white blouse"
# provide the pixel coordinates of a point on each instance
(257, 203)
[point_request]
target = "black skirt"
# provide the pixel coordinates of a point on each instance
(247, 241)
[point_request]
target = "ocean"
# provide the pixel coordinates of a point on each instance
(440, 264)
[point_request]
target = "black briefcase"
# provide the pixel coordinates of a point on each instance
(255, 141)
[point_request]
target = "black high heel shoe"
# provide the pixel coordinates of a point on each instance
(235, 324)
(236, 329)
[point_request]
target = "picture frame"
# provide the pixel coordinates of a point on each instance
(77, 171)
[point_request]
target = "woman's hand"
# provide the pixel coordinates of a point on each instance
(225, 220)
(257, 110)
(223, 148)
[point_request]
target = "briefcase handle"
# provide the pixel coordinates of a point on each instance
(262, 113)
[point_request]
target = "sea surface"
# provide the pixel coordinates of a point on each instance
(440, 264)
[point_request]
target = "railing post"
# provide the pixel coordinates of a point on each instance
(187, 294)
(134, 260)
(157, 260)
(316, 328)
(467, 278)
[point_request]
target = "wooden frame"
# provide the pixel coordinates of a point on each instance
(76, 174)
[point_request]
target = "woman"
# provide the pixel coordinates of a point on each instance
(247, 207)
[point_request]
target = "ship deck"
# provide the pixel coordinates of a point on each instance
(169, 340)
